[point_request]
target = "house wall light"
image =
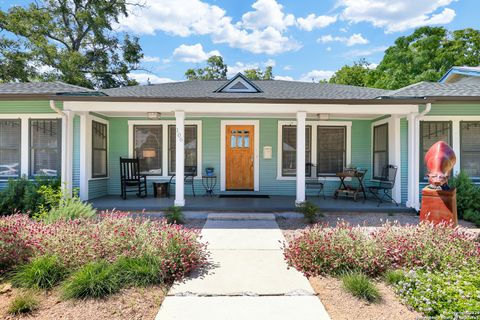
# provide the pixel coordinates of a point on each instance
(323, 116)
(154, 115)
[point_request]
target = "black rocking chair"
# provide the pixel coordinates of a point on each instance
(313, 183)
(190, 172)
(130, 177)
(386, 184)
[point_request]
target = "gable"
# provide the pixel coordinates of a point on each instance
(239, 83)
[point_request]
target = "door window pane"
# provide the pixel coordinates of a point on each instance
(99, 149)
(190, 147)
(430, 133)
(45, 147)
(380, 149)
(331, 149)
(10, 131)
(470, 148)
(289, 150)
(148, 148)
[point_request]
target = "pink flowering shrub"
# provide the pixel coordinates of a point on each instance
(322, 250)
(19, 240)
(113, 235)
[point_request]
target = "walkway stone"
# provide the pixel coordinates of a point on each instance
(248, 278)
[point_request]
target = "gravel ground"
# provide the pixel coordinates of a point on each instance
(133, 303)
(293, 226)
(341, 305)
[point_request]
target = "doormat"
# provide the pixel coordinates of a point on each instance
(263, 196)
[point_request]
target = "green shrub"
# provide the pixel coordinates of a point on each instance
(394, 276)
(70, 208)
(443, 293)
(94, 280)
(361, 287)
(22, 195)
(174, 215)
(25, 302)
(43, 272)
(138, 272)
(468, 197)
(309, 211)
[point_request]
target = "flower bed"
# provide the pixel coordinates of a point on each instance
(113, 235)
(320, 250)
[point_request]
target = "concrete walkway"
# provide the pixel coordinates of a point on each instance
(248, 279)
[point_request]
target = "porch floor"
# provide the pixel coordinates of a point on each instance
(272, 204)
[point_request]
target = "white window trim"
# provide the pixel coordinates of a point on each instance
(165, 124)
(455, 134)
(24, 136)
(256, 162)
(92, 118)
(314, 124)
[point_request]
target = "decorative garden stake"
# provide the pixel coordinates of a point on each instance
(439, 202)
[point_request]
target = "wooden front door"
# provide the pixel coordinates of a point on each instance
(239, 157)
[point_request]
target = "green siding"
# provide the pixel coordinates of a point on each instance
(97, 188)
(118, 147)
(455, 110)
(27, 107)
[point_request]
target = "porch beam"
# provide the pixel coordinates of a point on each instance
(179, 158)
(301, 119)
(241, 108)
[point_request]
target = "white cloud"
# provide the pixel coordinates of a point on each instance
(269, 63)
(285, 78)
(315, 22)
(260, 30)
(329, 49)
(287, 67)
(150, 59)
(145, 78)
(241, 66)
(193, 53)
(354, 39)
(316, 75)
(365, 52)
(267, 13)
(396, 16)
(343, 30)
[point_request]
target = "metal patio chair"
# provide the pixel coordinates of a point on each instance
(384, 187)
(190, 172)
(313, 183)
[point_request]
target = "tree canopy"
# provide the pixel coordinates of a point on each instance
(70, 41)
(425, 55)
(215, 70)
(259, 74)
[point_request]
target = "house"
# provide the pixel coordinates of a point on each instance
(258, 136)
(463, 74)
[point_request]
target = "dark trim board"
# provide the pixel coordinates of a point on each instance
(258, 196)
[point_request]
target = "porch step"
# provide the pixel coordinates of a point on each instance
(241, 216)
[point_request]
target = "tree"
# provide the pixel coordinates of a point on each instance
(355, 75)
(71, 41)
(426, 55)
(215, 70)
(259, 74)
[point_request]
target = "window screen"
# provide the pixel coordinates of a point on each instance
(45, 147)
(10, 132)
(331, 149)
(289, 150)
(99, 149)
(190, 147)
(148, 148)
(430, 133)
(470, 147)
(380, 149)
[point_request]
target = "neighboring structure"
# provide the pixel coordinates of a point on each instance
(249, 131)
(463, 75)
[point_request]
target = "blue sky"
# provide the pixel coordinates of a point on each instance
(302, 39)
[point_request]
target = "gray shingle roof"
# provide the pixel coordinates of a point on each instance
(435, 89)
(47, 88)
(272, 89)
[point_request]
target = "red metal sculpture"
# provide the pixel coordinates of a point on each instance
(439, 202)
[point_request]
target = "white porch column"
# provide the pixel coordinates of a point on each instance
(85, 163)
(179, 158)
(301, 117)
(395, 152)
(67, 151)
(416, 165)
(411, 160)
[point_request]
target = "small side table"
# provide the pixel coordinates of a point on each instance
(209, 183)
(160, 189)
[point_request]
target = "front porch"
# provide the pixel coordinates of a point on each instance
(270, 204)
